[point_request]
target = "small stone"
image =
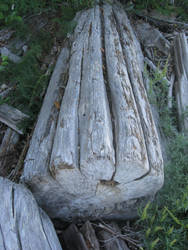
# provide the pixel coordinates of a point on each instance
(25, 48)
(4, 86)
(12, 57)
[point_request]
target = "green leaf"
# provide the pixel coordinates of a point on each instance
(1, 16)
(4, 7)
(154, 243)
(144, 213)
(174, 217)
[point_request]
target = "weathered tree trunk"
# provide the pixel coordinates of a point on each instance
(181, 86)
(95, 146)
(23, 225)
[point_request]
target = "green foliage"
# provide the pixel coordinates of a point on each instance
(164, 7)
(158, 95)
(13, 11)
(165, 222)
(27, 78)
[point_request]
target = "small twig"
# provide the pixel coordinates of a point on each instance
(170, 89)
(19, 165)
(5, 93)
(121, 236)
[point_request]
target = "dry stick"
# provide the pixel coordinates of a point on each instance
(20, 162)
(121, 236)
(170, 89)
(5, 93)
(148, 53)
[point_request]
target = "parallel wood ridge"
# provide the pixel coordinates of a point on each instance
(101, 148)
(135, 74)
(23, 225)
(37, 159)
(130, 146)
(181, 62)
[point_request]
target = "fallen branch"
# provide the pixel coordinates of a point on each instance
(170, 89)
(11, 117)
(162, 22)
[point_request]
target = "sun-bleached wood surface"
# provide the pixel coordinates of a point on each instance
(181, 86)
(23, 225)
(95, 151)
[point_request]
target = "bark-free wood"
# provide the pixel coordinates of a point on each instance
(23, 225)
(151, 37)
(98, 148)
(11, 117)
(181, 85)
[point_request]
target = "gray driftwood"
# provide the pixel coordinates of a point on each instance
(95, 149)
(181, 85)
(11, 117)
(23, 225)
(152, 37)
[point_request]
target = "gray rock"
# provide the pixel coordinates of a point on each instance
(5, 35)
(12, 57)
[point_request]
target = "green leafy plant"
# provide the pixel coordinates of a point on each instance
(165, 221)
(28, 79)
(4, 63)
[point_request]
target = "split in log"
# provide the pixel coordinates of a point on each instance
(23, 225)
(181, 86)
(95, 150)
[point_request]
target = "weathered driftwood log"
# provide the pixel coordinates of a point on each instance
(181, 86)
(23, 225)
(151, 37)
(95, 149)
